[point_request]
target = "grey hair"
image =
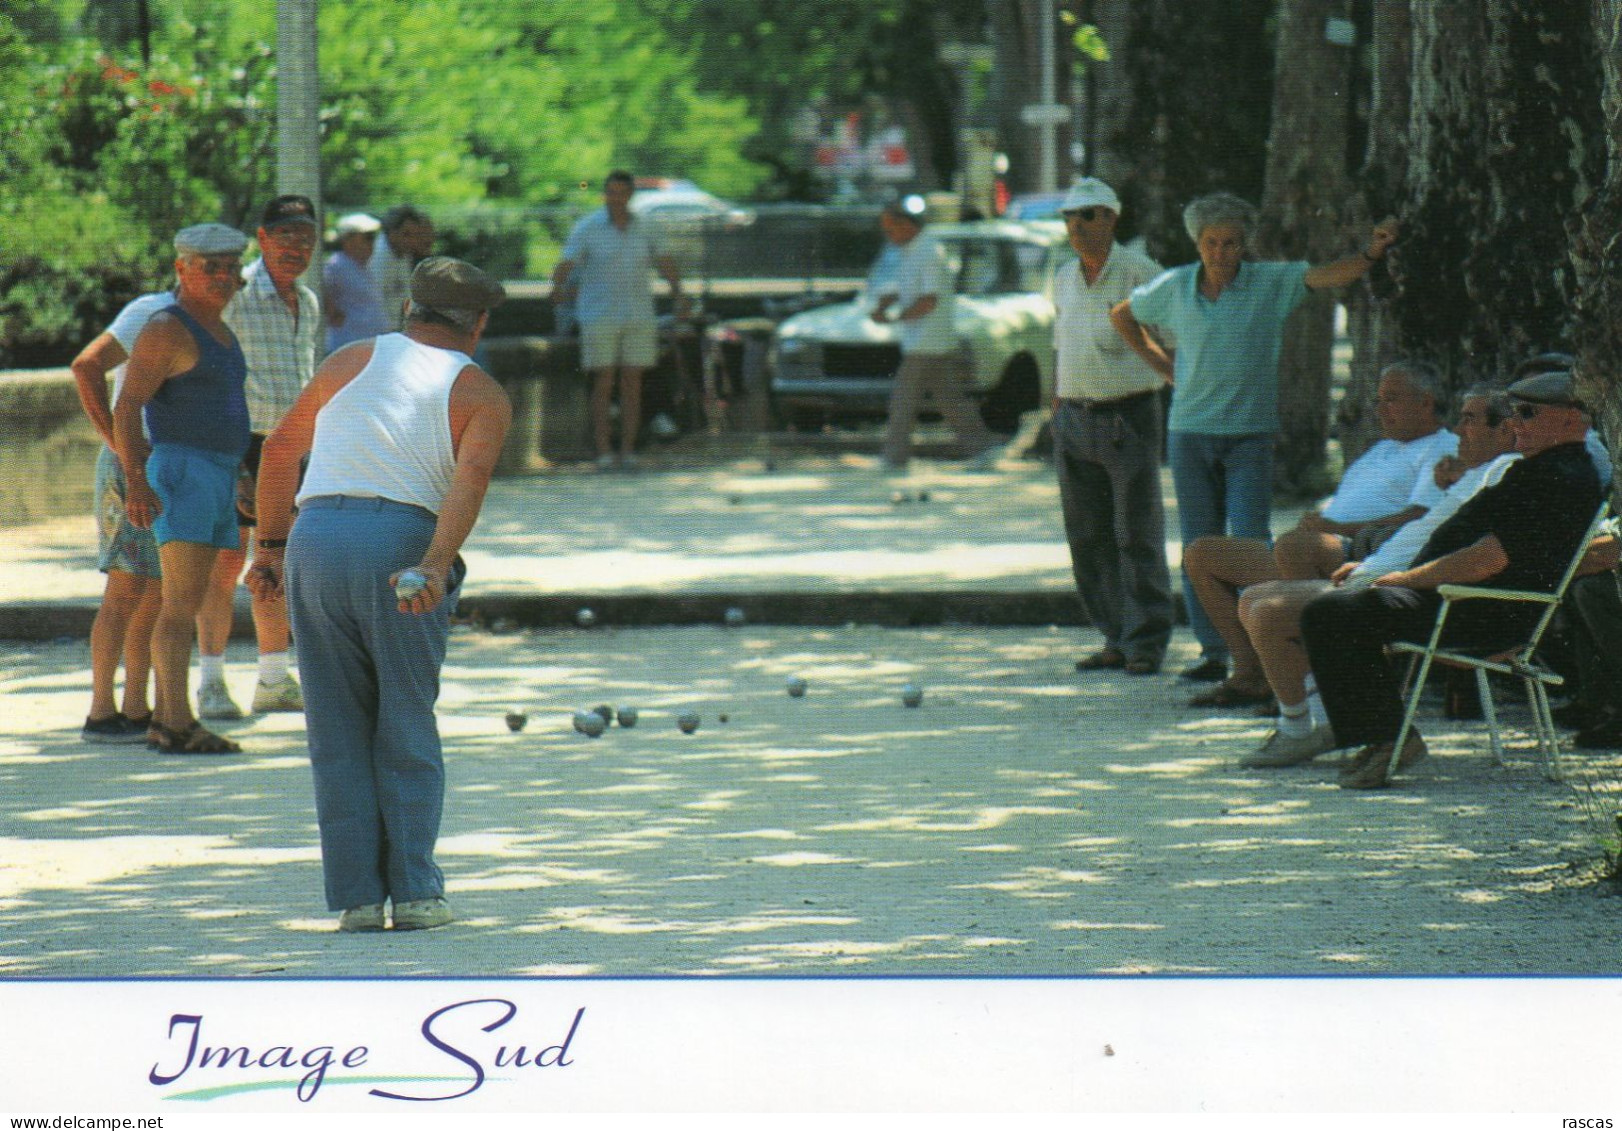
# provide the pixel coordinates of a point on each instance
(1422, 377)
(464, 320)
(1498, 402)
(1219, 208)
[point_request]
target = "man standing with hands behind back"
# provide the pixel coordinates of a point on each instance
(1106, 440)
(608, 263)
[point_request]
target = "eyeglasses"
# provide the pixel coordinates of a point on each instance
(1086, 215)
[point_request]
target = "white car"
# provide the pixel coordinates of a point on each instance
(835, 361)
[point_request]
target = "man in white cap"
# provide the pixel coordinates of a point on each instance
(350, 297)
(1107, 440)
(399, 466)
(919, 301)
(186, 379)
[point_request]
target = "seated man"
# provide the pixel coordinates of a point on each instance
(1392, 483)
(1271, 611)
(1593, 609)
(1519, 534)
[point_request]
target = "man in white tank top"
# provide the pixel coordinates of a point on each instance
(403, 433)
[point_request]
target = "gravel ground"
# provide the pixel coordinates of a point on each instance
(1023, 820)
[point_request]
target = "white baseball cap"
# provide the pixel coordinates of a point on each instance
(358, 223)
(1090, 192)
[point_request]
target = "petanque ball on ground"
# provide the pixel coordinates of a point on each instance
(589, 723)
(898, 497)
(606, 712)
(912, 695)
(585, 618)
(516, 721)
(795, 687)
(923, 496)
(627, 716)
(687, 721)
(721, 718)
(735, 617)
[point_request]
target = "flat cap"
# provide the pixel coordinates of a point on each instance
(1547, 388)
(209, 239)
(358, 224)
(443, 283)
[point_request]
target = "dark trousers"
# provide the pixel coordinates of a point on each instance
(1594, 612)
(1108, 460)
(1346, 635)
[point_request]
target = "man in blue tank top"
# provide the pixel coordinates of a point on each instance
(185, 378)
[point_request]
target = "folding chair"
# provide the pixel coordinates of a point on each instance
(1520, 661)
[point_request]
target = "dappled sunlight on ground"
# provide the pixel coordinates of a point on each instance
(1023, 820)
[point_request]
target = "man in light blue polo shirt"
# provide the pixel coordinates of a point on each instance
(608, 265)
(1225, 314)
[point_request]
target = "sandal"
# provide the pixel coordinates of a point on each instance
(193, 739)
(1227, 695)
(1101, 661)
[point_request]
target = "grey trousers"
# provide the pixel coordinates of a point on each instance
(944, 378)
(371, 678)
(1108, 460)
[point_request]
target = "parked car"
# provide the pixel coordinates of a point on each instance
(1035, 206)
(836, 363)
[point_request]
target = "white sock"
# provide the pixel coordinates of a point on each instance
(210, 669)
(1294, 721)
(1315, 704)
(272, 668)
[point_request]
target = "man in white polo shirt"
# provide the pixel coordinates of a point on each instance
(1107, 440)
(607, 266)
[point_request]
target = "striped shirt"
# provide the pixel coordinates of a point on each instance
(280, 350)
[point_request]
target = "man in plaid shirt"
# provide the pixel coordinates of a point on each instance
(277, 322)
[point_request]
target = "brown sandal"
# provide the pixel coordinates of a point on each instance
(193, 739)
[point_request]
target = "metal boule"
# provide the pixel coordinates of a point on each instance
(687, 721)
(589, 723)
(516, 720)
(912, 695)
(585, 618)
(735, 617)
(605, 711)
(795, 687)
(627, 716)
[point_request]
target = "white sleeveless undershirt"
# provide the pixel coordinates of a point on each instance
(387, 434)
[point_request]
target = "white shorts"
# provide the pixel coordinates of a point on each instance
(605, 345)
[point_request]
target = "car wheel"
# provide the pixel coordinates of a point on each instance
(1017, 393)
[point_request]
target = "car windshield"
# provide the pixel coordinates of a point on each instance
(984, 266)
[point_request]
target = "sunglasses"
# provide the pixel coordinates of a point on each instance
(1087, 215)
(1527, 411)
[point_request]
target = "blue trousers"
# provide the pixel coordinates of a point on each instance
(1108, 459)
(371, 679)
(1224, 485)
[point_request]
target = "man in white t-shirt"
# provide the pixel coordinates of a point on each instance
(1107, 433)
(128, 554)
(1271, 611)
(1391, 484)
(919, 301)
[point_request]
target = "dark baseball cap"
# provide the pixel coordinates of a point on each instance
(443, 283)
(288, 209)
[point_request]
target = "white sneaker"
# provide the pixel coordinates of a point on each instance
(664, 427)
(1289, 750)
(282, 696)
(421, 914)
(365, 918)
(214, 701)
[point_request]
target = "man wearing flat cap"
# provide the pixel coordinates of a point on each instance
(278, 323)
(1520, 533)
(398, 469)
(185, 380)
(1106, 441)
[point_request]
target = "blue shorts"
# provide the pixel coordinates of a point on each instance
(198, 490)
(123, 546)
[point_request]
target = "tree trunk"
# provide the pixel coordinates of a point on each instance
(1302, 211)
(1596, 246)
(1384, 178)
(1107, 94)
(1506, 102)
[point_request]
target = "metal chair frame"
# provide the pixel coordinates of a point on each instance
(1520, 661)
